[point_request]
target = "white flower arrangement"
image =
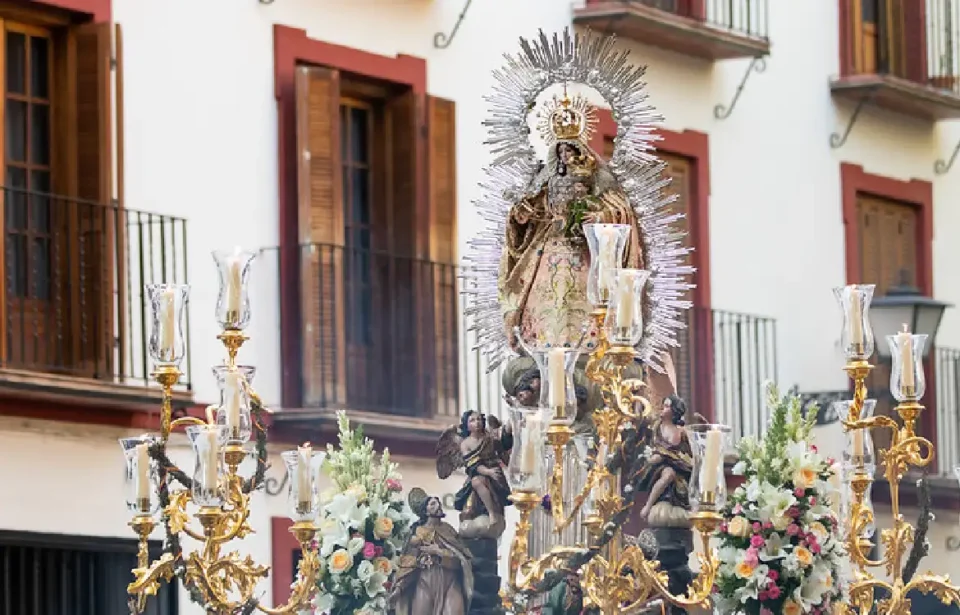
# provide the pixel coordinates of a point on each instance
(364, 524)
(780, 549)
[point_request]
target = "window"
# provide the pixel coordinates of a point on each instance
(59, 222)
(27, 92)
(378, 312)
(890, 37)
(43, 574)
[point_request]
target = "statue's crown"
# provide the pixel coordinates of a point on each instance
(567, 122)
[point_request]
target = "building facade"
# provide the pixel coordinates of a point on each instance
(810, 146)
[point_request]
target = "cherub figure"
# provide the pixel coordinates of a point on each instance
(483, 452)
(665, 473)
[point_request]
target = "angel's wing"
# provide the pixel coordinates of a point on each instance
(449, 457)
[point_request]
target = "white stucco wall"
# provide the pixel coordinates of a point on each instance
(201, 142)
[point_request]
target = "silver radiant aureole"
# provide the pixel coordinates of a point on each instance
(594, 61)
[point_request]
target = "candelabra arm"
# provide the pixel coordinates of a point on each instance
(592, 370)
(166, 376)
(185, 421)
(558, 436)
(147, 576)
(857, 370)
(305, 586)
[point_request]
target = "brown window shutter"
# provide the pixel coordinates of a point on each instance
(320, 221)
(91, 239)
(442, 189)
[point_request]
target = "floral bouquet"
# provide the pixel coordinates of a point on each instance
(780, 550)
(364, 523)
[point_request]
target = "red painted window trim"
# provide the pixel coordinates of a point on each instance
(293, 47)
(695, 147)
(919, 193)
(282, 546)
(99, 11)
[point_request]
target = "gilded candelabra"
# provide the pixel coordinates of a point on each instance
(614, 577)
(906, 450)
(222, 582)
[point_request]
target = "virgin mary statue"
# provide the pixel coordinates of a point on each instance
(543, 269)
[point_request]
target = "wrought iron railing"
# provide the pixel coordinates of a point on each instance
(380, 332)
(947, 370)
(748, 18)
(723, 360)
(74, 270)
(918, 41)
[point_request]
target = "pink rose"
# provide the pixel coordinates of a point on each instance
(765, 611)
(793, 511)
(756, 526)
(813, 447)
(767, 525)
(773, 575)
(394, 485)
(723, 528)
(756, 541)
(830, 461)
(814, 548)
(773, 591)
(763, 595)
(813, 501)
(793, 529)
(798, 492)
(378, 551)
(369, 550)
(751, 557)
(737, 509)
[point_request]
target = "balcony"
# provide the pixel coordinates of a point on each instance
(723, 361)
(74, 313)
(901, 56)
(381, 339)
(710, 29)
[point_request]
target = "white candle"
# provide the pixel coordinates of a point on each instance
(528, 456)
(608, 257)
(711, 461)
(858, 443)
(231, 393)
(855, 316)
(143, 473)
(304, 491)
(835, 485)
(211, 471)
(168, 322)
(907, 380)
(625, 306)
(233, 286)
(557, 377)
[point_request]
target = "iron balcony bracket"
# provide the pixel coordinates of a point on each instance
(441, 40)
(837, 140)
(953, 543)
(757, 64)
(941, 168)
(266, 1)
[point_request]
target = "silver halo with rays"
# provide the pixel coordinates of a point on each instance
(591, 60)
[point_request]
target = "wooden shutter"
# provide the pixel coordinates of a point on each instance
(320, 218)
(888, 258)
(92, 223)
(405, 347)
(442, 190)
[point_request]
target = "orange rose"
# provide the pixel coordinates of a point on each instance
(804, 556)
(340, 561)
(383, 527)
(382, 564)
(791, 608)
(744, 569)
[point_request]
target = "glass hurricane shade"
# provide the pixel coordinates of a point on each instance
(168, 303)
(140, 476)
(233, 301)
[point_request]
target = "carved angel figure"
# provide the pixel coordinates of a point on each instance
(435, 575)
(482, 449)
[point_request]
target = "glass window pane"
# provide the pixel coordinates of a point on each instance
(16, 201)
(16, 63)
(361, 196)
(40, 202)
(39, 67)
(358, 135)
(40, 133)
(16, 130)
(15, 255)
(40, 268)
